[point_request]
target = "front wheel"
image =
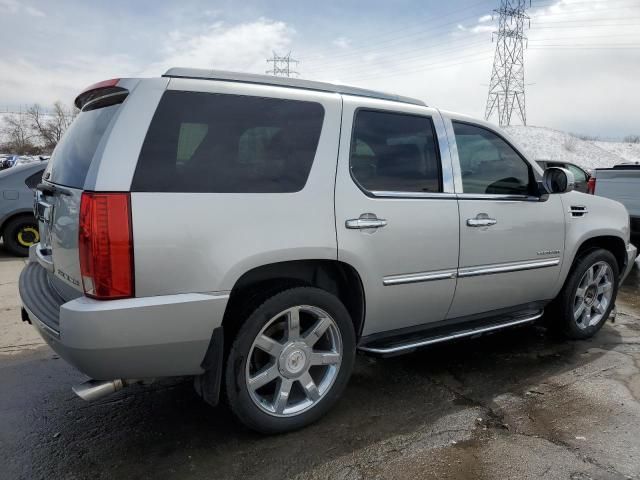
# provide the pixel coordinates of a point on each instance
(290, 361)
(588, 296)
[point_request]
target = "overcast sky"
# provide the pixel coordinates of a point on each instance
(582, 66)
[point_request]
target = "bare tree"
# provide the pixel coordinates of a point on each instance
(49, 128)
(19, 135)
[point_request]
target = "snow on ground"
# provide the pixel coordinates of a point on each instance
(540, 143)
(630, 152)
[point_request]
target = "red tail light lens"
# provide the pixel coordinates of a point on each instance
(105, 245)
(591, 186)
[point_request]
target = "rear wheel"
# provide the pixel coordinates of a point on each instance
(19, 234)
(587, 297)
(290, 361)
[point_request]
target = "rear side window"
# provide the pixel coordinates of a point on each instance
(204, 142)
(33, 180)
(394, 152)
(72, 156)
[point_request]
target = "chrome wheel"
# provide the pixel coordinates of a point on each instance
(293, 361)
(593, 295)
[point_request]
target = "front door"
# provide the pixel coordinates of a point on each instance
(511, 241)
(396, 211)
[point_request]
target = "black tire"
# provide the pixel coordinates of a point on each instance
(237, 392)
(19, 234)
(560, 314)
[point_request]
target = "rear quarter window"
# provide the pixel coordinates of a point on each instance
(74, 153)
(218, 143)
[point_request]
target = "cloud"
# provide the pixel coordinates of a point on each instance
(341, 42)
(244, 46)
(15, 7)
(34, 12)
(485, 18)
(483, 28)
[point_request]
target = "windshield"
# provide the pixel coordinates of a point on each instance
(72, 157)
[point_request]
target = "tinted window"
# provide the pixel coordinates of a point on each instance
(72, 156)
(489, 164)
(32, 181)
(394, 152)
(203, 142)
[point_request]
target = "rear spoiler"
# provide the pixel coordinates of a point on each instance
(106, 88)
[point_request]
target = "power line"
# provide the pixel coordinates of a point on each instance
(506, 88)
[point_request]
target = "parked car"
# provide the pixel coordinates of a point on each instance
(580, 175)
(621, 183)
(18, 226)
(255, 232)
(8, 161)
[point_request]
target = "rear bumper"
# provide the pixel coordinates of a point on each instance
(146, 337)
(632, 254)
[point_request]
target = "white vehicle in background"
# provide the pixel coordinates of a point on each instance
(621, 183)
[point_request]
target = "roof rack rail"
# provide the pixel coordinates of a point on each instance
(203, 74)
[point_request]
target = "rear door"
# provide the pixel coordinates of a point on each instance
(396, 211)
(511, 241)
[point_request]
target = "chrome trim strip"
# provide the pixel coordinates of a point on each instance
(418, 277)
(392, 194)
(453, 153)
(487, 196)
(454, 336)
(507, 267)
(446, 165)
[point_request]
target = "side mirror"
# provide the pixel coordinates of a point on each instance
(558, 180)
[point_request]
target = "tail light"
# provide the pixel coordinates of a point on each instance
(591, 185)
(105, 245)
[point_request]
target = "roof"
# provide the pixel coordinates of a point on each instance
(286, 82)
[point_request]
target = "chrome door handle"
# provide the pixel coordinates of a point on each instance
(366, 220)
(481, 220)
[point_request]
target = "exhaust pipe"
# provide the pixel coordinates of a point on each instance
(94, 389)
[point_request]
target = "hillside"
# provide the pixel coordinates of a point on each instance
(629, 152)
(540, 143)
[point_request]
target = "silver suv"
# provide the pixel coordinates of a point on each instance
(255, 232)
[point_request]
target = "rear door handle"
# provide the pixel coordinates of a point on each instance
(481, 220)
(366, 220)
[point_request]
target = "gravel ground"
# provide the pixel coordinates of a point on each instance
(516, 404)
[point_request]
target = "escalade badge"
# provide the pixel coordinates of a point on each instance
(548, 252)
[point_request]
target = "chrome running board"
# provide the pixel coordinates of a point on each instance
(453, 336)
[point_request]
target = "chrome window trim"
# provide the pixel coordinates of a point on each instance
(502, 197)
(419, 277)
(507, 267)
(391, 194)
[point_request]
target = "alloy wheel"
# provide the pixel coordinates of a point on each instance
(593, 295)
(294, 361)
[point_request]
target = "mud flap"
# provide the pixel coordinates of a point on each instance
(208, 384)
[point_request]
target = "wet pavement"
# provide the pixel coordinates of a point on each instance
(515, 404)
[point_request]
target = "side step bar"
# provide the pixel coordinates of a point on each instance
(412, 345)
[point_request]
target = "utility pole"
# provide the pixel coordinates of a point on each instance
(506, 88)
(282, 65)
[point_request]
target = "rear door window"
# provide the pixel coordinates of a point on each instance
(394, 152)
(218, 143)
(74, 153)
